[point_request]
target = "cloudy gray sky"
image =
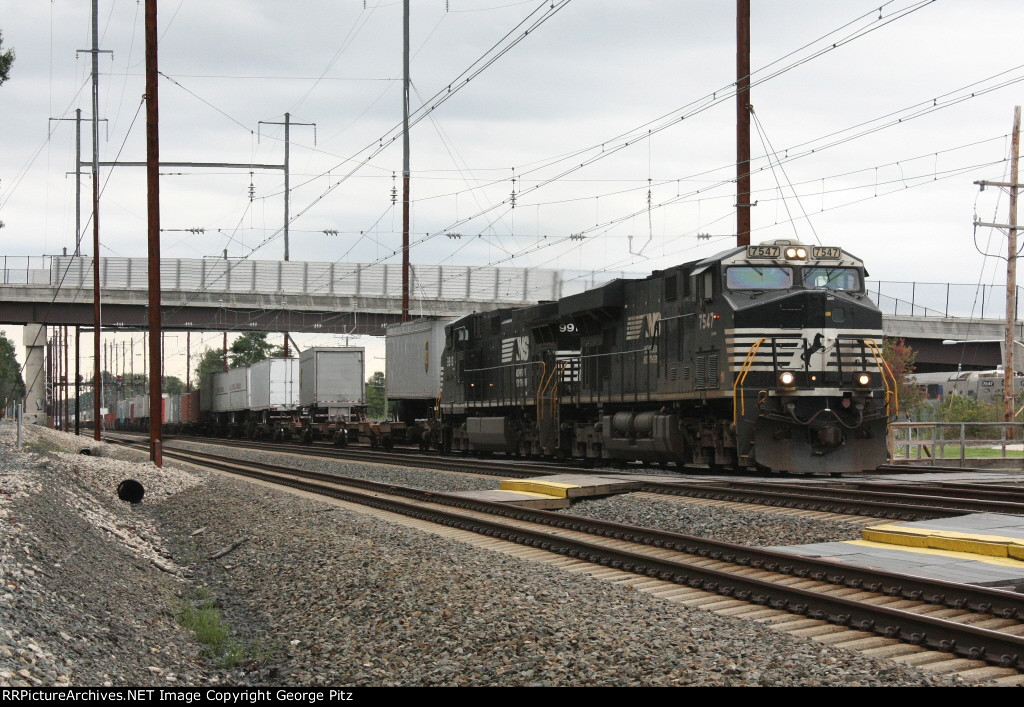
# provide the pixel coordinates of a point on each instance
(613, 121)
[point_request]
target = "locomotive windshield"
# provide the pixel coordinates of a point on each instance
(758, 278)
(832, 279)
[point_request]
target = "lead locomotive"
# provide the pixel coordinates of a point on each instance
(765, 356)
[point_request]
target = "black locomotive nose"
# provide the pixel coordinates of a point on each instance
(829, 436)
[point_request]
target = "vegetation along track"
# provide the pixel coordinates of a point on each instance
(965, 625)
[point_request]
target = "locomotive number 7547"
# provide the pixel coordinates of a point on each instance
(707, 320)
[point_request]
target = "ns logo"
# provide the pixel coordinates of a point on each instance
(516, 348)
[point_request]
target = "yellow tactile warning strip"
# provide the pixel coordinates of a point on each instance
(950, 540)
(547, 488)
(987, 559)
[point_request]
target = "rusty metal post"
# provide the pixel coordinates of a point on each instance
(406, 173)
(64, 385)
(153, 191)
(78, 382)
(743, 204)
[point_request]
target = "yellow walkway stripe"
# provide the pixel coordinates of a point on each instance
(546, 488)
(954, 541)
(960, 555)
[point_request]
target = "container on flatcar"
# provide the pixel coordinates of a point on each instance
(273, 398)
(332, 394)
(172, 410)
(413, 381)
(274, 384)
(413, 351)
(332, 378)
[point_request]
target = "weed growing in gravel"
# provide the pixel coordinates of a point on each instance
(204, 618)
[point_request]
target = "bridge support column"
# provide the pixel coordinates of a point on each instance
(35, 374)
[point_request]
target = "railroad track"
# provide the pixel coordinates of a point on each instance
(973, 630)
(892, 501)
(906, 502)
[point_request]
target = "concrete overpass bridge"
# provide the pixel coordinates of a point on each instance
(240, 295)
(362, 299)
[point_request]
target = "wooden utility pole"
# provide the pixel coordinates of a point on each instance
(1009, 341)
(1011, 277)
(743, 204)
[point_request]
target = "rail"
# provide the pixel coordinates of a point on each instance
(962, 444)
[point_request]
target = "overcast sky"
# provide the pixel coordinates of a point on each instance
(613, 122)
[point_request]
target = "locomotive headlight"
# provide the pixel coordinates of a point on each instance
(796, 253)
(787, 379)
(863, 380)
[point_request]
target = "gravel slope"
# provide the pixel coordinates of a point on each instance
(321, 595)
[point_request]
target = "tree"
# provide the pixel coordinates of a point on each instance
(173, 385)
(376, 403)
(900, 358)
(250, 348)
(12, 385)
(6, 59)
(212, 361)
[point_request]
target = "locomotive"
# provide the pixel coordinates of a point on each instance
(764, 357)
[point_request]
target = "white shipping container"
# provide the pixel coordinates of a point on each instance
(231, 390)
(274, 384)
(332, 377)
(172, 408)
(413, 353)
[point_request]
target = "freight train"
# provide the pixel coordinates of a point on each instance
(320, 395)
(763, 357)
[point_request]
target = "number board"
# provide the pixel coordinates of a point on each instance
(826, 252)
(762, 251)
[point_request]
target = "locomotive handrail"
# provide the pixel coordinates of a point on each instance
(892, 396)
(557, 374)
(545, 384)
(539, 402)
(748, 362)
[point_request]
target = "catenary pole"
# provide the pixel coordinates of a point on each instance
(743, 204)
(153, 200)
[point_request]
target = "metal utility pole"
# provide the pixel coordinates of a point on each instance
(287, 143)
(97, 386)
(405, 165)
(743, 204)
(156, 417)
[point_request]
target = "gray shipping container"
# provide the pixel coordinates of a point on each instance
(413, 353)
(274, 384)
(333, 378)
